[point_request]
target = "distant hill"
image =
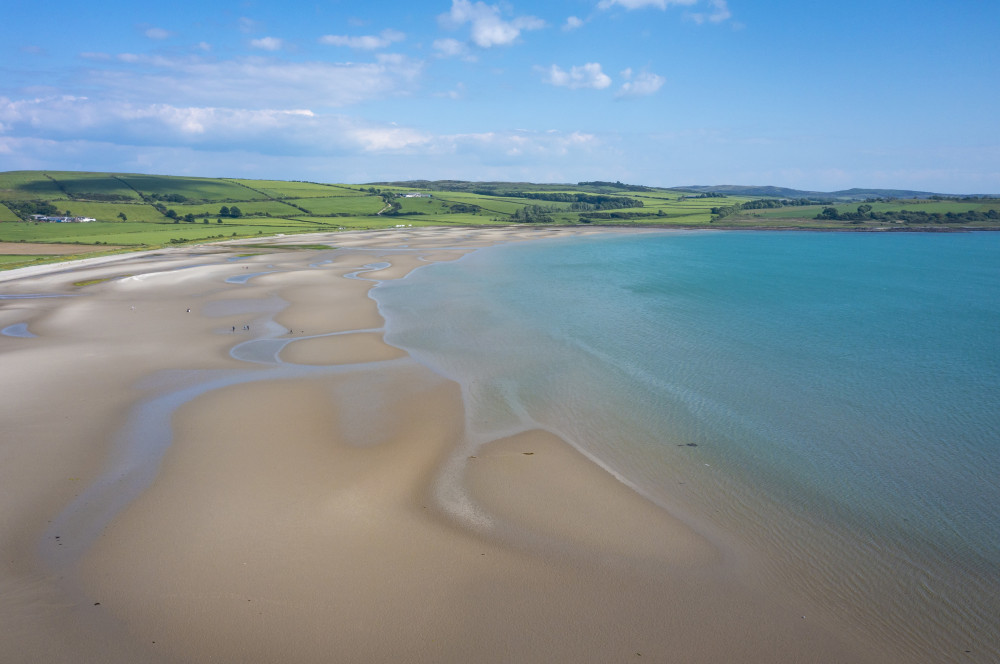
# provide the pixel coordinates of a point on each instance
(843, 195)
(495, 188)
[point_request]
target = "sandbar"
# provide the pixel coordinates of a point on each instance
(292, 511)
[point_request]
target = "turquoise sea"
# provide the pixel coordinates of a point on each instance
(829, 401)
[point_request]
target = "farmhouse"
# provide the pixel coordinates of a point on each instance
(414, 195)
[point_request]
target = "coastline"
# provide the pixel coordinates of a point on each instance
(293, 515)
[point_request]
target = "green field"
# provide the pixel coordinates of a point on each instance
(351, 205)
(212, 210)
(6, 214)
(278, 189)
(149, 204)
(81, 184)
(195, 189)
(27, 185)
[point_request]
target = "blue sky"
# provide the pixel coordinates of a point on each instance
(813, 94)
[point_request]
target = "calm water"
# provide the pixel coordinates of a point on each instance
(833, 400)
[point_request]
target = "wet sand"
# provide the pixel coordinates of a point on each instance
(167, 500)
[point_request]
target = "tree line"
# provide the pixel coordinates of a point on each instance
(24, 209)
(614, 185)
(866, 213)
(579, 201)
(760, 204)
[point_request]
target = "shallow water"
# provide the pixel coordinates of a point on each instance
(831, 399)
(18, 330)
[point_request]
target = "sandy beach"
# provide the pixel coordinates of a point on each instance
(210, 454)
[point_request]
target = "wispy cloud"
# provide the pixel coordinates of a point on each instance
(157, 33)
(640, 85)
(267, 43)
(275, 131)
(720, 12)
(247, 25)
(572, 23)
(642, 4)
(265, 131)
(452, 48)
(253, 82)
(583, 76)
(364, 42)
(486, 26)
(719, 8)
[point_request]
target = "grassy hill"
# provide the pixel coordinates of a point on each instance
(137, 211)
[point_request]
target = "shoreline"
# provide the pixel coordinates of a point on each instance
(293, 514)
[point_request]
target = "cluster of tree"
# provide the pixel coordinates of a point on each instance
(722, 212)
(614, 185)
(710, 194)
(532, 214)
(464, 208)
(580, 201)
(24, 209)
(590, 217)
(807, 201)
(760, 204)
(233, 212)
(392, 207)
(169, 198)
(611, 204)
(99, 196)
(865, 213)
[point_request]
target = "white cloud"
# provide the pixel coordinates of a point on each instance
(642, 4)
(450, 48)
(364, 42)
(640, 85)
(267, 43)
(513, 149)
(720, 10)
(157, 33)
(572, 23)
(720, 13)
(247, 25)
(276, 133)
(584, 76)
(383, 139)
(254, 82)
(457, 93)
(486, 27)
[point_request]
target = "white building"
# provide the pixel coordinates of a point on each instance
(62, 220)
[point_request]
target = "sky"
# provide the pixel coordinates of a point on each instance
(811, 94)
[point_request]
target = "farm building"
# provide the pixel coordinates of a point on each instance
(62, 220)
